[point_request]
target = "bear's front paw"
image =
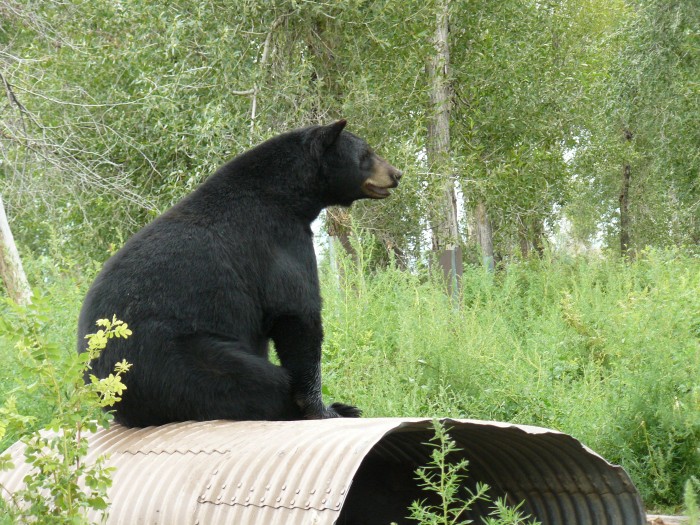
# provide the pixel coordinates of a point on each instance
(344, 410)
(321, 411)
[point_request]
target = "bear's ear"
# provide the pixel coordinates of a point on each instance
(329, 134)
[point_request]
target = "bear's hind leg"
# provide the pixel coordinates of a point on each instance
(229, 382)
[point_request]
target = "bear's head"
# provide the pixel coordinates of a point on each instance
(349, 169)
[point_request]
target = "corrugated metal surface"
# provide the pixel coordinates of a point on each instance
(344, 471)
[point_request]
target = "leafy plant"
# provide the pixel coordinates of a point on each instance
(691, 500)
(446, 480)
(62, 487)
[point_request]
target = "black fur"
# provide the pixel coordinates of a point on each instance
(205, 286)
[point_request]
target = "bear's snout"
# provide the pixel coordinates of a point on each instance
(395, 174)
(383, 177)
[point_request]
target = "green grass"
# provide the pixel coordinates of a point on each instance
(606, 351)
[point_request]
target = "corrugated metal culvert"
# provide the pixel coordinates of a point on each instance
(343, 471)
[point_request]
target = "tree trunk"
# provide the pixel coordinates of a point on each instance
(11, 269)
(263, 68)
(338, 226)
(444, 222)
(523, 239)
(484, 235)
(538, 239)
(625, 249)
(624, 211)
(531, 237)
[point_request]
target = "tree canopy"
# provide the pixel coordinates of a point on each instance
(111, 111)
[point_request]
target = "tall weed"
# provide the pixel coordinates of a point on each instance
(691, 499)
(445, 482)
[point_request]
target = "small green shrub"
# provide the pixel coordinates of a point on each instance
(445, 480)
(61, 487)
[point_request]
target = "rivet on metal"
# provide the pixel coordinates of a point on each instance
(252, 489)
(223, 486)
(284, 487)
(297, 491)
(262, 499)
(218, 498)
(247, 499)
(328, 491)
(278, 500)
(323, 501)
(240, 484)
(267, 487)
(313, 491)
(308, 504)
(292, 502)
(342, 492)
(209, 486)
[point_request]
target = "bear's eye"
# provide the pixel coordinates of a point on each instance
(366, 160)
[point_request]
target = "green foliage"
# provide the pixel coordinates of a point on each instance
(62, 486)
(504, 514)
(594, 347)
(51, 320)
(100, 132)
(446, 481)
(603, 350)
(646, 88)
(691, 499)
(104, 132)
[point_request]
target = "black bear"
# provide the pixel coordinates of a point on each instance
(210, 282)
